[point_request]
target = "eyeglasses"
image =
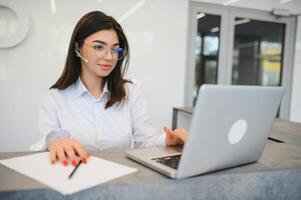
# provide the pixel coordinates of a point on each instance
(101, 51)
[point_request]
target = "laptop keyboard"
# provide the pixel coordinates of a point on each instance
(170, 161)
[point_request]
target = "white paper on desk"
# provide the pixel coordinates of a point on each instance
(38, 167)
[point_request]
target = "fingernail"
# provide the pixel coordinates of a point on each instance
(84, 160)
(52, 162)
(74, 163)
(88, 155)
(65, 162)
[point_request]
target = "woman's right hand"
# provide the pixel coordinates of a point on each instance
(67, 149)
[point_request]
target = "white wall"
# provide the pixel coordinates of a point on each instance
(157, 37)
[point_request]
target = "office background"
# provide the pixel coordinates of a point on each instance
(158, 35)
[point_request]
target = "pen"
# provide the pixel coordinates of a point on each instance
(74, 170)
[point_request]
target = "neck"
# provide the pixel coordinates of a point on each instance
(94, 85)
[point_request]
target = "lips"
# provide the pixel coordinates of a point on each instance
(105, 66)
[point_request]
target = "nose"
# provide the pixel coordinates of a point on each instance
(109, 55)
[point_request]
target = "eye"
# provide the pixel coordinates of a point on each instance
(99, 47)
(118, 50)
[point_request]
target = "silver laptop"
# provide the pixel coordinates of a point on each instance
(229, 127)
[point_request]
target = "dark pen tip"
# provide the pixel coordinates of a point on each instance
(74, 170)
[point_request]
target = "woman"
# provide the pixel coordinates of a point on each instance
(91, 105)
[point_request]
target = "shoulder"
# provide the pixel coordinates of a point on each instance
(56, 95)
(134, 94)
(132, 88)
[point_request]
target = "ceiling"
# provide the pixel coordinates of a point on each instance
(293, 6)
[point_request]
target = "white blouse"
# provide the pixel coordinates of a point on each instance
(74, 112)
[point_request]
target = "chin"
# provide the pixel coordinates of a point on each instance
(104, 74)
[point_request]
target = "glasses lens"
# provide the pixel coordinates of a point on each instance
(120, 52)
(101, 51)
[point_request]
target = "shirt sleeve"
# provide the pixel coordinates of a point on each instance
(48, 124)
(144, 133)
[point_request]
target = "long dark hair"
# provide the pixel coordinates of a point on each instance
(86, 26)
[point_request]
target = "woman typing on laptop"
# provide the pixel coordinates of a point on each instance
(91, 105)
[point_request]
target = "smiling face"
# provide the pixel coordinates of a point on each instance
(98, 50)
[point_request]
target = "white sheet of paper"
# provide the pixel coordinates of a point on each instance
(38, 167)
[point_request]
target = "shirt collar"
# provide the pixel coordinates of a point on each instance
(81, 89)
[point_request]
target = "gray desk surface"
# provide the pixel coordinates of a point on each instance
(279, 160)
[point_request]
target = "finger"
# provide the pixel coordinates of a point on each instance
(179, 141)
(176, 137)
(86, 153)
(168, 137)
(71, 154)
(80, 151)
(168, 133)
(171, 134)
(53, 156)
(181, 135)
(61, 155)
(168, 130)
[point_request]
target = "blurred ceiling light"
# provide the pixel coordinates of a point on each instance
(199, 15)
(284, 1)
(242, 21)
(215, 29)
(52, 6)
(131, 11)
(99, 0)
(228, 2)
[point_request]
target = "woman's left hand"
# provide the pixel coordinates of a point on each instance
(175, 137)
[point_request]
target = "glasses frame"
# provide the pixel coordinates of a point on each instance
(114, 53)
